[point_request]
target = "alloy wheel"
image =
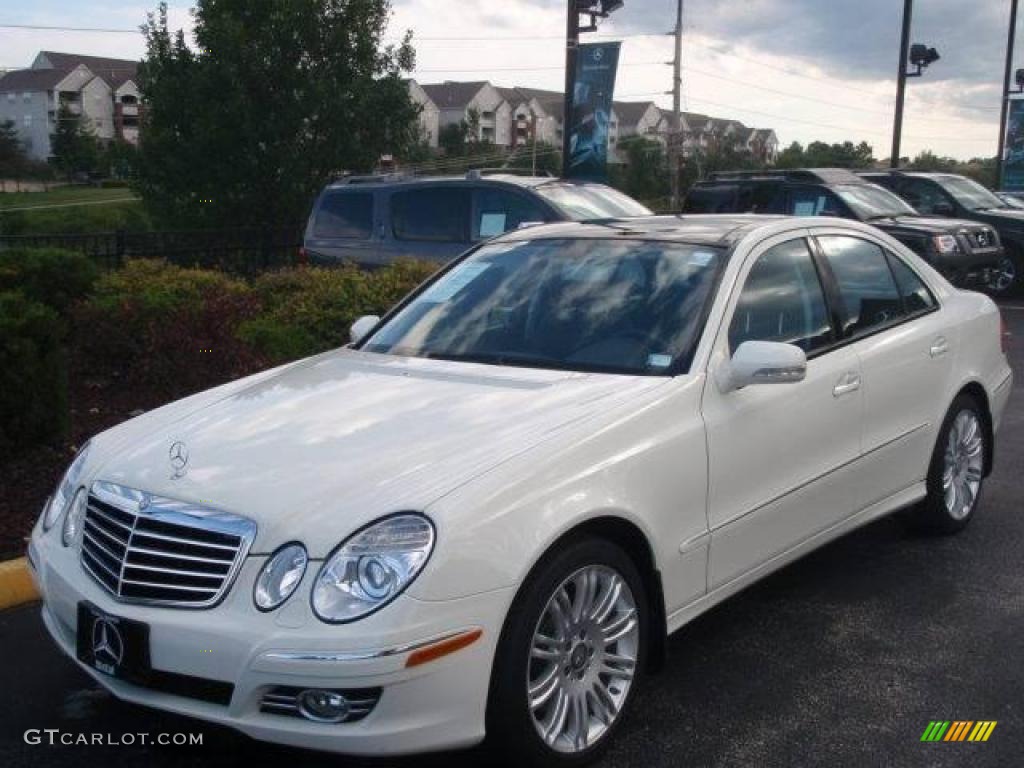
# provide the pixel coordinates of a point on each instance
(1004, 275)
(963, 465)
(583, 658)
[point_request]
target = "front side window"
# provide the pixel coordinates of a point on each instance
(345, 215)
(782, 300)
(925, 196)
(616, 306)
(439, 214)
(499, 211)
(866, 285)
(969, 193)
(814, 201)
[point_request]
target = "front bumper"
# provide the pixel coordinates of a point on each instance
(438, 705)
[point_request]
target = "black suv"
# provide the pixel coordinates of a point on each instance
(374, 220)
(963, 251)
(947, 194)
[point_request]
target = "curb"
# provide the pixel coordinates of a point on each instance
(16, 584)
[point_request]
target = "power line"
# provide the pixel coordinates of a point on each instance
(46, 28)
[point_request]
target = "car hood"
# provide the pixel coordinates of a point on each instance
(937, 226)
(317, 449)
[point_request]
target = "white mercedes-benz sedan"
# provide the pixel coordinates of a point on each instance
(484, 516)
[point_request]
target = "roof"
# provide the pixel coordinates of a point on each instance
(393, 179)
(630, 112)
(116, 72)
(720, 230)
(813, 175)
(32, 79)
(452, 95)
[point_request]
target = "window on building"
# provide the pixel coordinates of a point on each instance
(10, 98)
(26, 96)
(866, 284)
(431, 213)
(782, 301)
(27, 121)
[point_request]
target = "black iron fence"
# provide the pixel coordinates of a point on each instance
(239, 251)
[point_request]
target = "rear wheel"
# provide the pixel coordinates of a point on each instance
(957, 470)
(567, 664)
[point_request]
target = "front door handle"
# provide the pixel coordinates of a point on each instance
(939, 347)
(848, 382)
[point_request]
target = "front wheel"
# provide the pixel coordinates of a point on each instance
(1008, 275)
(568, 660)
(957, 470)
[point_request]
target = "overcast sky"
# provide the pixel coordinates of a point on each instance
(810, 69)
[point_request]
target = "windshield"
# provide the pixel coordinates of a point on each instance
(970, 194)
(871, 202)
(632, 307)
(590, 201)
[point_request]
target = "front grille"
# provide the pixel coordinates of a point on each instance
(156, 550)
(982, 238)
(284, 700)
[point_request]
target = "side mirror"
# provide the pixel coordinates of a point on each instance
(762, 362)
(362, 326)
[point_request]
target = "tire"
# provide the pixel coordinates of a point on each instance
(957, 470)
(1008, 279)
(536, 651)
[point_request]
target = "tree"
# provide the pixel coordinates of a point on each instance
(820, 154)
(645, 175)
(13, 159)
(451, 138)
(280, 96)
(73, 145)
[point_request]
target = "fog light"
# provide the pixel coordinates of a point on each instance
(323, 706)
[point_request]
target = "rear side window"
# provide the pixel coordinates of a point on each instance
(431, 213)
(345, 215)
(498, 211)
(916, 296)
(782, 300)
(712, 199)
(866, 284)
(814, 201)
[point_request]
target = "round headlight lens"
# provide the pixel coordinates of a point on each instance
(65, 490)
(371, 569)
(74, 517)
(280, 576)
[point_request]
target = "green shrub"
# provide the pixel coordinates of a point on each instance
(168, 328)
(305, 311)
(52, 276)
(102, 217)
(33, 373)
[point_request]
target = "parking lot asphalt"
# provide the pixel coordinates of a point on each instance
(840, 659)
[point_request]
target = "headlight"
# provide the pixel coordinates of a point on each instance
(65, 490)
(73, 519)
(945, 244)
(280, 576)
(371, 568)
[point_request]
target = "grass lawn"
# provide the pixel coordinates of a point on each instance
(63, 196)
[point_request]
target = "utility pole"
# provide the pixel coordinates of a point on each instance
(572, 41)
(533, 138)
(1010, 39)
(901, 84)
(677, 133)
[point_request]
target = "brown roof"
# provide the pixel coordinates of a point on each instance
(630, 112)
(116, 72)
(452, 95)
(31, 79)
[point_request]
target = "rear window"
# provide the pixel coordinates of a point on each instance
(431, 213)
(345, 215)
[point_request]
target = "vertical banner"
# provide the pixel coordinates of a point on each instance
(596, 64)
(1013, 155)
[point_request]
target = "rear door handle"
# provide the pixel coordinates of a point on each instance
(848, 382)
(939, 347)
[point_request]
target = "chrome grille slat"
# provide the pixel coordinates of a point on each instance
(156, 550)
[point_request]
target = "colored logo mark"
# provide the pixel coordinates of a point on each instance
(958, 730)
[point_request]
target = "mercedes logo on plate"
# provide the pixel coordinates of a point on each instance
(178, 455)
(107, 645)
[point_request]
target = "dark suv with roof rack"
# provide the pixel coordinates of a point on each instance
(375, 220)
(965, 252)
(948, 194)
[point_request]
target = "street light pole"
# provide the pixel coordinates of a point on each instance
(572, 40)
(901, 84)
(1010, 38)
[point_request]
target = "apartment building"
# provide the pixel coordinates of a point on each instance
(103, 91)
